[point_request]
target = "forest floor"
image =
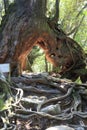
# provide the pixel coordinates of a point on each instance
(42, 101)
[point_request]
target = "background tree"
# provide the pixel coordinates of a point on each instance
(6, 5)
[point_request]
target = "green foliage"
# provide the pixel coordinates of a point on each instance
(39, 64)
(5, 94)
(37, 59)
(34, 54)
(68, 19)
(1, 104)
(78, 81)
(4, 105)
(50, 8)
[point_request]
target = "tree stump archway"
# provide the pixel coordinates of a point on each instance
(26, 25)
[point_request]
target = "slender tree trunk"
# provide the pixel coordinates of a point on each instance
(46, 65)
(6, 5)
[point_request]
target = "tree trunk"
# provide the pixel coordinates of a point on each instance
(46, 65)
(24, 26)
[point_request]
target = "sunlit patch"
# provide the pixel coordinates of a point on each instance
(62, 86)
(52, 55)
(61, 127)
